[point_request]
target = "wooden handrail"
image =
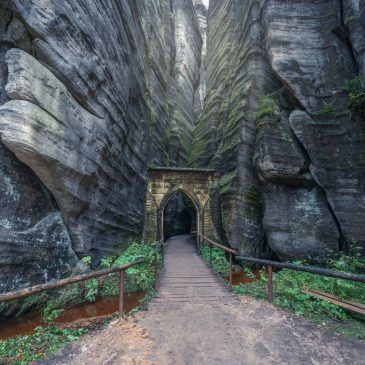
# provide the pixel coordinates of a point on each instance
(283, 265)
(311, 269)
(22, 293)
(227, 249)
(18, 294)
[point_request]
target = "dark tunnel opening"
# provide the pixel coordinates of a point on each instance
(179, 216)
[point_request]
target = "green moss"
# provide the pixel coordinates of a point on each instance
(355, 90)
(253, 201)
(326, 110)
(267, 106)
(226, 181)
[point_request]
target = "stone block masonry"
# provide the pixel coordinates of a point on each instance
(198, 184)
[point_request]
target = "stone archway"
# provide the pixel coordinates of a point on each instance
(166, 200)
(164, 182)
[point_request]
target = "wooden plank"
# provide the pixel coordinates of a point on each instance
(186, 278)
(335, 300)
(356, 304)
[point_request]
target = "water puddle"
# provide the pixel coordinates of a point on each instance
(26, 324)
(240, 277)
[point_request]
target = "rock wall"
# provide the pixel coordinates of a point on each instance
(186, 74)
(284, 124)
(91, 94)
(269, 93)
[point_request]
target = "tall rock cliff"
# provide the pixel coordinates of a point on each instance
(269, 93)
(284, 124)
(91, 93)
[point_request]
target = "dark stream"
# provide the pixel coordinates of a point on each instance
(240, 277)
(26, 324)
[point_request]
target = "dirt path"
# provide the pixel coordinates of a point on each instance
(186, 325)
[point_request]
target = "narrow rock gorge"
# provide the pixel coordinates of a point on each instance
(283, 123)
(269, 93)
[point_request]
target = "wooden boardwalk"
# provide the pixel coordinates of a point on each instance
(186, 278)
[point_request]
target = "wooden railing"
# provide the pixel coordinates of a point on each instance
(311, 269)
(18, 294)
(227, 249)
(282, 265)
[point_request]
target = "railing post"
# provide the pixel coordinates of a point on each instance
(121, 293)
(269, 274)
(156, 269)
(230, 269)
(210, 253)
(163, 254)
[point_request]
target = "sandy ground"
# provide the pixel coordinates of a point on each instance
(245, 331)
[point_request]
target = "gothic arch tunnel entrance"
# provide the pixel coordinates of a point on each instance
(180, 215)
(180, 200)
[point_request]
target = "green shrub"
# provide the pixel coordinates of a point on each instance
(326, 110)
(26, 349)
(288, 294)
(52, 303)
(355, 90)
(219, 261)
(267, 106)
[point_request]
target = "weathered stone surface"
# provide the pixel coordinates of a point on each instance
(37, 254)
(199, 186)
(298, 223)
(102, 89)
(353, 27)
(337, 152)
(311, 50)
(64, 146)
(237, 76)
(90, 106)
(184, 89)
(200, 92)
(278, 156)
(34, 243)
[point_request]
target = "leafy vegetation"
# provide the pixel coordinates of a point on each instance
(219, 261)
(288, 288)
(326, 110)
(266, 107)
(288, 294)
(226, 181)
(355, 90)
(25, 349)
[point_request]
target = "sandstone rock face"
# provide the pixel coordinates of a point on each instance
(200, 93)
(269, 93)
(186, 73)
(280, 126)
(91, 93)
(34, 243)
(297, 222)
